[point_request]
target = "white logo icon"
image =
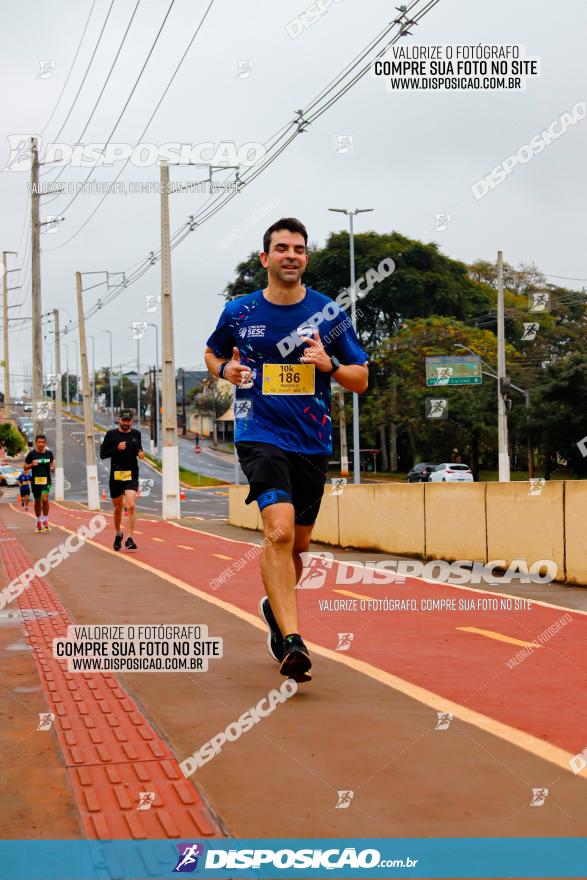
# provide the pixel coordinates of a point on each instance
(343, 144)
(538, 302)
(46, 68)
(344, 799)
(46, 720)
(243, 409)
(441, 222)
(315, 569)
(244, 68)
(146, 799)
(444, 719)
(537, 484)
(344, 641)
(137, 329)
(539, 795)
(530, 331)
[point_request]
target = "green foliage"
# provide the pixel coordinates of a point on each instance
(429, 305)
(11, 439)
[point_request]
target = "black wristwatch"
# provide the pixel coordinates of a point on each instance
(335, 364)
(221, 369)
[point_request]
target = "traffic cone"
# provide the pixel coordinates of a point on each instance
(182, 494)
(103, 494)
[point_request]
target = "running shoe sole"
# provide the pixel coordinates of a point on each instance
(267, 623)
(296, 664)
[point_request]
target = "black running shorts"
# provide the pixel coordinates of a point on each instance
(119, 487)
(300, 476)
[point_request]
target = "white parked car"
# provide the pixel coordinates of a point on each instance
(8, 475)
(451, 473)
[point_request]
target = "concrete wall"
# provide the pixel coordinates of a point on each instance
(576, 531)
(479, 521)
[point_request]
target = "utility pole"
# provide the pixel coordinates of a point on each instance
(502, 419)
(156, 433)
(91, 467)
(356, 430)
(183, 413)
(139, 383)
(5, 326)
(121, 399)
(170, 457)
(37, 341)
(67, 373)
(59, 481)
(344, 454)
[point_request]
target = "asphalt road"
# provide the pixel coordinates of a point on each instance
(209, 503)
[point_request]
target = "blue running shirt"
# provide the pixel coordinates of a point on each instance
(266, 333)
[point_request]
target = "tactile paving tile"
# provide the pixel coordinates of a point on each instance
(109, 748)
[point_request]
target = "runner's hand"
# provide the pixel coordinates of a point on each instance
(315, 354)
(236, 372)
(141, 455)
(121, 446)
(34, 462)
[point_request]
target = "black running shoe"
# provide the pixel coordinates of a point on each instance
(274, 637)
(117, 542)
(130, 544)
(296, 661)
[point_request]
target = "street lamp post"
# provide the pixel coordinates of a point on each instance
(111, 388)
(356, 432)
(156, 421)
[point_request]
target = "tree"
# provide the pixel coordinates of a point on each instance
(11, 439)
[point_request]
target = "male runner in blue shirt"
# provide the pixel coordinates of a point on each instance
(268, 345)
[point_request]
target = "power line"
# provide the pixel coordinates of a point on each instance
(286, 134)
(121, 114)
(106, 81)
(81, 39)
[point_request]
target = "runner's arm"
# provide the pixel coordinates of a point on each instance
(234, 369)
(27, 464)
(353, 377)
(108, 446)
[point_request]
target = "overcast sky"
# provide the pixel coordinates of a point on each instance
(414, 154)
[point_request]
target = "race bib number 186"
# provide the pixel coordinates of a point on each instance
(288, 378)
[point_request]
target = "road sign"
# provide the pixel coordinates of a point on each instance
(464, 370)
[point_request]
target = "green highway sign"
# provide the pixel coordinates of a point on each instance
(460, 370)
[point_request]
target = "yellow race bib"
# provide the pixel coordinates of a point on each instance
(40, 481)
(123, 475)
(288, 378)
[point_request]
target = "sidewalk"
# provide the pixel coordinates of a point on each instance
(386, 744)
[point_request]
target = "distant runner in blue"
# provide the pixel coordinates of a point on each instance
(25, 482)
(268, 345)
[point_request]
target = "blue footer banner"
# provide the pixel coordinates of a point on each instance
(286, 858)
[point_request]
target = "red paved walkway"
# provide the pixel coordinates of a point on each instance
(110, 750)
(425, 648)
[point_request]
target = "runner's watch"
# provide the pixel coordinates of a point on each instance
(335, 364)
(221, 369)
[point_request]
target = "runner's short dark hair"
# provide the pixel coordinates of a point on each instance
(289, 223)
(40, 437)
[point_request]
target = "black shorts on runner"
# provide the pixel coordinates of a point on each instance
(39, 491)
(119, 487)
(25, 490)
(294, 476)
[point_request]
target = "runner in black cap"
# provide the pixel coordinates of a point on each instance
(123, 447)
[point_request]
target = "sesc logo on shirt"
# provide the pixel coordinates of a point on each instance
(252, 330)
